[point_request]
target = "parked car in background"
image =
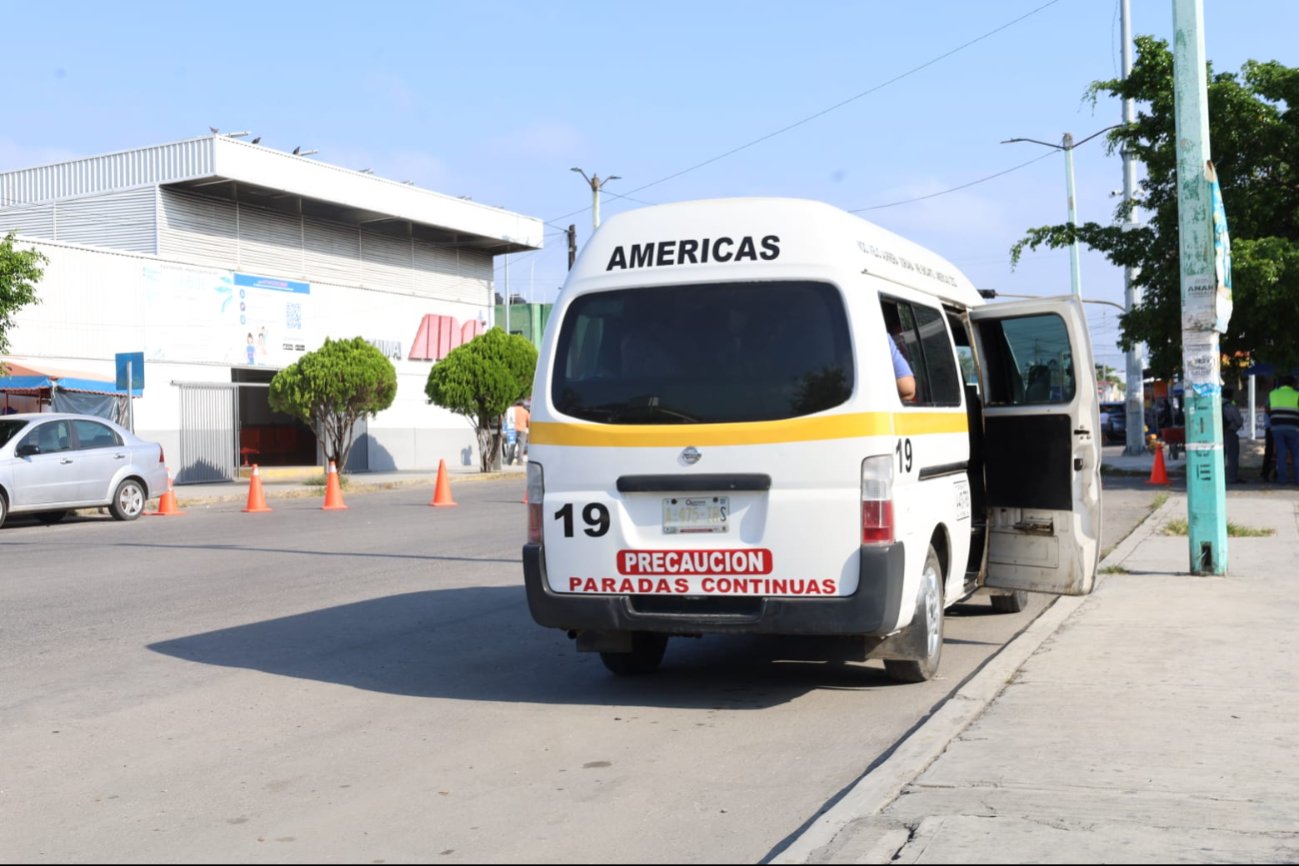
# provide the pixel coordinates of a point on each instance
(1114, 423)
(52, 463)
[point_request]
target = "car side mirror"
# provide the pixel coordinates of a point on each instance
(27, 449)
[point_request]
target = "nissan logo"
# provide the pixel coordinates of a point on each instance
(691, 455)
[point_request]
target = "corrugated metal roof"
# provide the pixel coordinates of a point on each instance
(221, 158)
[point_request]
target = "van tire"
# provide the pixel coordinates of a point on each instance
(1013, 602)
(929, 617)
(647, 650)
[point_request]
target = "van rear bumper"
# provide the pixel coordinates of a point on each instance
(871, 611)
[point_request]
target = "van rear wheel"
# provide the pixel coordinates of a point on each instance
(647, 650)
(929, 617)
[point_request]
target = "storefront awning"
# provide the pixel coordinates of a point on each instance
(32, 377)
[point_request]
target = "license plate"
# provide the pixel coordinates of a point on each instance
(686, 514)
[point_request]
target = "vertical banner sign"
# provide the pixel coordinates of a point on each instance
(1221, 255)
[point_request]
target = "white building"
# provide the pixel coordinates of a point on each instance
(223, 261)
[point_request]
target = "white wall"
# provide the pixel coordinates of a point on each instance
(96, 303)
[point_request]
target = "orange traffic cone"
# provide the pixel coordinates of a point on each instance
(1158, 474)
(167, 506)
(333, 491)
(256, 499)
(442, 492)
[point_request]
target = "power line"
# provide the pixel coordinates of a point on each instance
(835, 107)
(953, 189)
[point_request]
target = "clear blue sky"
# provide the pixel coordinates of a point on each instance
(888, 102)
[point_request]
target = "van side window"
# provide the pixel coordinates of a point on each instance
(921, 333)
(1028, 361)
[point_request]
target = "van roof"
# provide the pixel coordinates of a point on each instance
(758, 238)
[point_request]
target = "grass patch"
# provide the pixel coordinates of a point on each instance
(1114, 569)
(323, 479)
(1160, 499)
(1234, 530)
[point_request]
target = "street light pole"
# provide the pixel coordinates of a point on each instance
(1067, 144)
(596, 185)
(1135, 409)
(1075, 260)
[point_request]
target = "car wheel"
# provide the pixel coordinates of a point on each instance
(128, 500)
(4, 509)
(647, 650)
(1013, 602)
(49, 518)
(928, 616)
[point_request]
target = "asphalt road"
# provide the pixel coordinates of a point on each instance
(367, 685)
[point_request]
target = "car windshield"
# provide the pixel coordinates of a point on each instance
(9, 428)
(704, 353)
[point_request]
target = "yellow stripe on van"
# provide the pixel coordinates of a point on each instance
(750, 433)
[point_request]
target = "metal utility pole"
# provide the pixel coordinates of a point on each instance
(1067, 144)
(1135, 403)
(572, 245)
(596, 185)
(1205, 258)
(1075, 259)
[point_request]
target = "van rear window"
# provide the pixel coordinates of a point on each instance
(703, 354)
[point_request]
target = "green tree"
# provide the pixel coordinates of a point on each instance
(334, 387)
(1254, 136)
(20, 271)
(480, 380)
(1105, 373)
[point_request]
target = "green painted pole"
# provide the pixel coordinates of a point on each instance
(1206, 294)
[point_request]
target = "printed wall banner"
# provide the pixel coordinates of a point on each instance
(272, 320)
(209, 315)
(188, 313)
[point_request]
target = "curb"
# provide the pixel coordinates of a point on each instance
(879, 787)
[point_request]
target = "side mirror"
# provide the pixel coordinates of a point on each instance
(27, 449)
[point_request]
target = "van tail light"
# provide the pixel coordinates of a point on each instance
(877, 500)
(161, 457)
(536, 492)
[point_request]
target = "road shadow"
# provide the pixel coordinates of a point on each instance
(480, 644)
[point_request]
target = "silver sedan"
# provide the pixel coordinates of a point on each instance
(51, 463)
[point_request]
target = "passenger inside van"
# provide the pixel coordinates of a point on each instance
(902, 372)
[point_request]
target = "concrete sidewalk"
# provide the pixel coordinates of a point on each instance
(1155, 721)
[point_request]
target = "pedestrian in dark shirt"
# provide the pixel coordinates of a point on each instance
(1231, 424)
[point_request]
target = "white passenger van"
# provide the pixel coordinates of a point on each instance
(719, 445)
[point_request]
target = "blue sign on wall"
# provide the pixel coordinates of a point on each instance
(136, 360)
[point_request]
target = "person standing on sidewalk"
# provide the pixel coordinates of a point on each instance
(521, 419)
(1232, 421)
(1283, 420)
